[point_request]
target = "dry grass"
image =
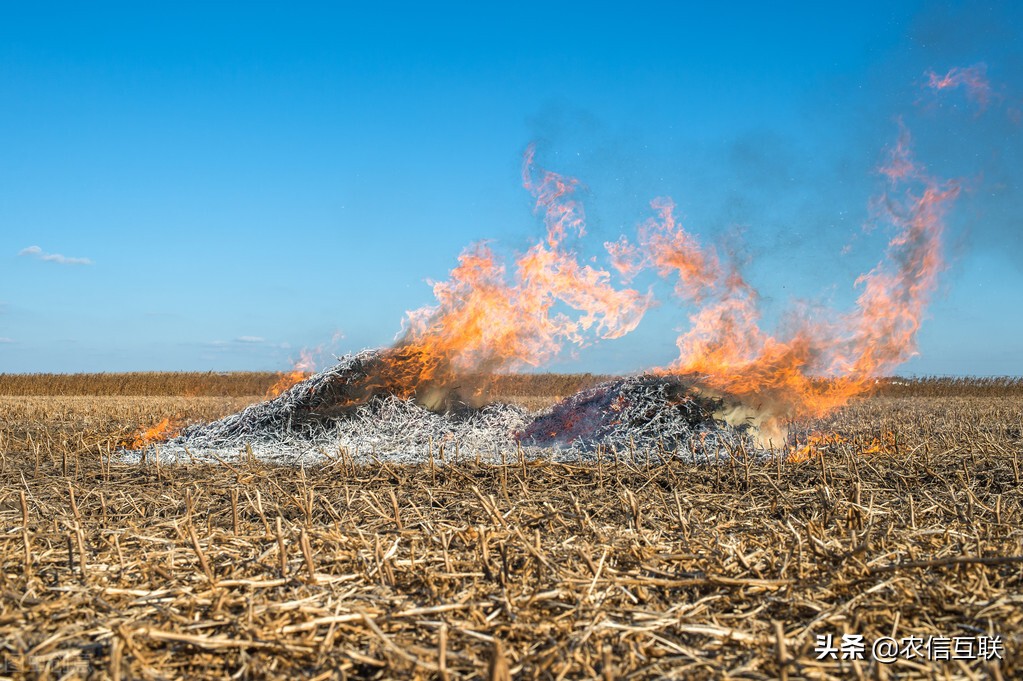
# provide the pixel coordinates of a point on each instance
(946, 386)
(537, 570)
(141, 384)
(244, 383)
(79, 425)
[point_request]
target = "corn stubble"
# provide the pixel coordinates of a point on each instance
(524, 569)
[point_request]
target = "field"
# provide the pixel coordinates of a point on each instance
(459, 569)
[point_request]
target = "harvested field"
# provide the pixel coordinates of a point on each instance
(250, 383)
(459, 569)
(141, 384)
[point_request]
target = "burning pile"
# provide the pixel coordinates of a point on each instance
(354, 406)
(666, 414)
(490, 317)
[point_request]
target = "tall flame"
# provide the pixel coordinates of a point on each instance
(490, 316)
(725, 345)
(487, 318)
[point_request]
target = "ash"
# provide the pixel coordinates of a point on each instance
(665, 415)
(342, 410)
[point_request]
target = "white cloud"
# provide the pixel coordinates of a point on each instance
(6, 340)
(37, 252)
(250, 339)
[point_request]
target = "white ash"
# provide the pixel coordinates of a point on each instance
(642, 416)
(665, 415)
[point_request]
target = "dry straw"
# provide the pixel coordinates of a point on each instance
(514, 569)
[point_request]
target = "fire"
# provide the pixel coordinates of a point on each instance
(490, 315)
(814, 447)
(819, 361)
(885, 443)
(488, 318)
(163, 430)
(302, 369)
(820, 443)
(668, 248)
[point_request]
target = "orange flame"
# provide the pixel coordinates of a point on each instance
(972, 78)
(491, 317)
(885, 443)
(486, 319)
(163, 430)
(814, 447)
(817, 444)
(302, 369)
(725, 344)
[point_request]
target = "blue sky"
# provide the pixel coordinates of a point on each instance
(248, 179)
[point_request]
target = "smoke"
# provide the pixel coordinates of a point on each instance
(972, 79)
(969, 115)
(792, 188)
